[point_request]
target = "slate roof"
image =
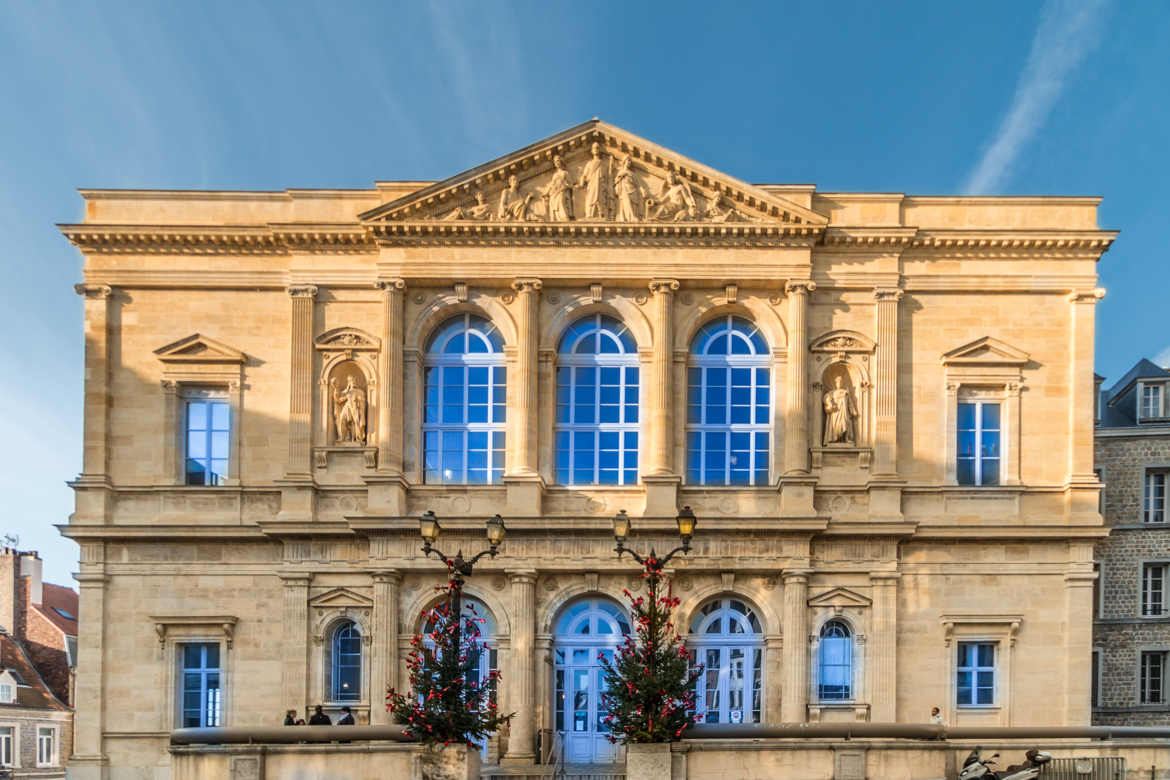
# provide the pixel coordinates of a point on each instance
(1116, 415)
(34, 692)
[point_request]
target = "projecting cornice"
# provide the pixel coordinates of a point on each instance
(1009, 243)
(214, 240)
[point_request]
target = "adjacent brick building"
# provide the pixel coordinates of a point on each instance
(38, 650)
(1131, 635)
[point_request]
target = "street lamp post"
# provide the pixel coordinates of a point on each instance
(652, 563)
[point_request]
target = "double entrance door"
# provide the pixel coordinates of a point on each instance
(580, 712)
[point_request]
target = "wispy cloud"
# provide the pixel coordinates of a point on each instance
(1069, 30)
(1163, 357)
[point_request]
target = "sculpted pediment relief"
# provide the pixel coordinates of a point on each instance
(339, 598)
(842, 341)
(345, 339)
(198, 348)
(839, 598)
(986, 352)
(596, 173)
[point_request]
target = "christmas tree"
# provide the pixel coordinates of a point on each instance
(448, 703)
(650, 684)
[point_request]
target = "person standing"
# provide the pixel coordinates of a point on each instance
(319, 718)
(290, 718)
(936, 718)
(346, 718)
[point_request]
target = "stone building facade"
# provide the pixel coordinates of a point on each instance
(879, 407)
(1131, 634)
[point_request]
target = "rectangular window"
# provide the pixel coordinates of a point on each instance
(1151, 401)
(200, 685)
(979, 443)
(1098, 587)
(1154, 497)
(1154, 589)
(1100, 496)
(46, 746)
(1095, 683)
(1153, 672)
(975, 683)
(208, 433)
(7, 740)
(7, 694)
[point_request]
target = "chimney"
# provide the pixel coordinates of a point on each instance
(9, 574)
(30, 566)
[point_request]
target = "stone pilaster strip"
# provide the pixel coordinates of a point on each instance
(884, 675)
(89, 721)
(294, 680)
(390, 386)
(886, 380)
(384, 664)
(300, 406)
(660, 395)
(1082, 310)
(521, 683)
(796, 422)
(95, 453)
(522, 415)
(794, 697)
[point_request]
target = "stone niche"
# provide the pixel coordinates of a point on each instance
(842, 403)
(347, 400)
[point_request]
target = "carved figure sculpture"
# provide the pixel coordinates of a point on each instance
(595, 179)
(559, 193)
(719, 210)
(629, 192)
(349, 412)
(513, 205)
(481, 210)
(839, 413)
(676, 201)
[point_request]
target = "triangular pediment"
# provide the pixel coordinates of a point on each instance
(198, 348)
(341, 597)
(986, 352)
(593, 179)
(839, 597)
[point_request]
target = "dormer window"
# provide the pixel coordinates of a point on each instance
(7, 692)
(1152, 399)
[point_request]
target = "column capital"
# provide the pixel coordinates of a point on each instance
(527, 285)
(888, 294)
(522, 575)
(796, 576)
(799, 286)
(390, 285)
(1086, 296)
(96, 291)
(663, 286)
(302, 290)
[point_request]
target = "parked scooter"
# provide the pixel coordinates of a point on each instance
(977, 767)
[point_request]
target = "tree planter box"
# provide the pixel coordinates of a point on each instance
(648, 761)
(450, 762)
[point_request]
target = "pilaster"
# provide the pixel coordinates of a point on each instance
(294, 682)
(885, 462)
(796, 486)
(521, 683)
(1082, 310)
(387, 486)
(95, 454)
(523, 480)
(89, 720)
(384, 664)
(883, 673)
(794, 696)
(300, 404)
(659, 480)
(1078, 653)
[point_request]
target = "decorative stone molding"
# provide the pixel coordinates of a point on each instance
(1009, 624)
(799, 286)
(165, 623)
(199, 349)
(461, 292)
(595, 292)
(1086, 296)
(93, 290)
(986, 351)
(302, 291)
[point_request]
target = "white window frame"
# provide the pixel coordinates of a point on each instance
(998, 629)
(1144, 682)
(978, 458)
(853, 663)
(1003, 389)
(221, 372)
(1151, 477)
(207, 395)
(54, 734)
(1157, 393)
(752, 644)
(1154, 586)
(13, 745)
(995, 674)
(7, 692)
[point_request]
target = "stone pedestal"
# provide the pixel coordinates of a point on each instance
(648, 761)
(450, 762)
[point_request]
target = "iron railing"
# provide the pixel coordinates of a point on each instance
(1100, 768)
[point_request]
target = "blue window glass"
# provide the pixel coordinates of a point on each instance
(726, 637)
(346, 662)
(597, 404)
(978, 451)
(728, 405)
(975, 682)
(200, 680)
(464, 404)
(835, 662)
(208, 434)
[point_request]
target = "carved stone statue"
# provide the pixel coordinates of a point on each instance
(513, 206)
(676, 201)
(840, 411)
(349, 412)
(559, 193)
(595, 179)
(719, 210)
(629, 191)
(481, 210)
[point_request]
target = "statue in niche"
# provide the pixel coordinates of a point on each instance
(595, 180)
(629, 191)
(840, 411)
(558, 193)
(513, 206)
(481, 210)
(349, 411)
(676, 201)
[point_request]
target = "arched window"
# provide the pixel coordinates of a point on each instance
(728, 405)
(835, 662)
(463, 413)
(345, 662)
(727, 639)
(597, 404)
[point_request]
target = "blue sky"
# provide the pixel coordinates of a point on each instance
(1015, 98)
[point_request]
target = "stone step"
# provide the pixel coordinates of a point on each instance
(567, 772)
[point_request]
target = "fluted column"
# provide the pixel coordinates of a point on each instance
(794, 697)
(660, 396)
(294, 681)
(886, 381)
(390, 405)
(796, 424)
(522, 414)
(300, 404)
(883, 670)
(384, 664)
(95, 458)
(89, 693)
(521, 683)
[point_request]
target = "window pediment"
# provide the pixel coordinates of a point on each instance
(840, 598)
(986, 351)
(341, 598)
(345, 340)
(842, 341)
(199, 349)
